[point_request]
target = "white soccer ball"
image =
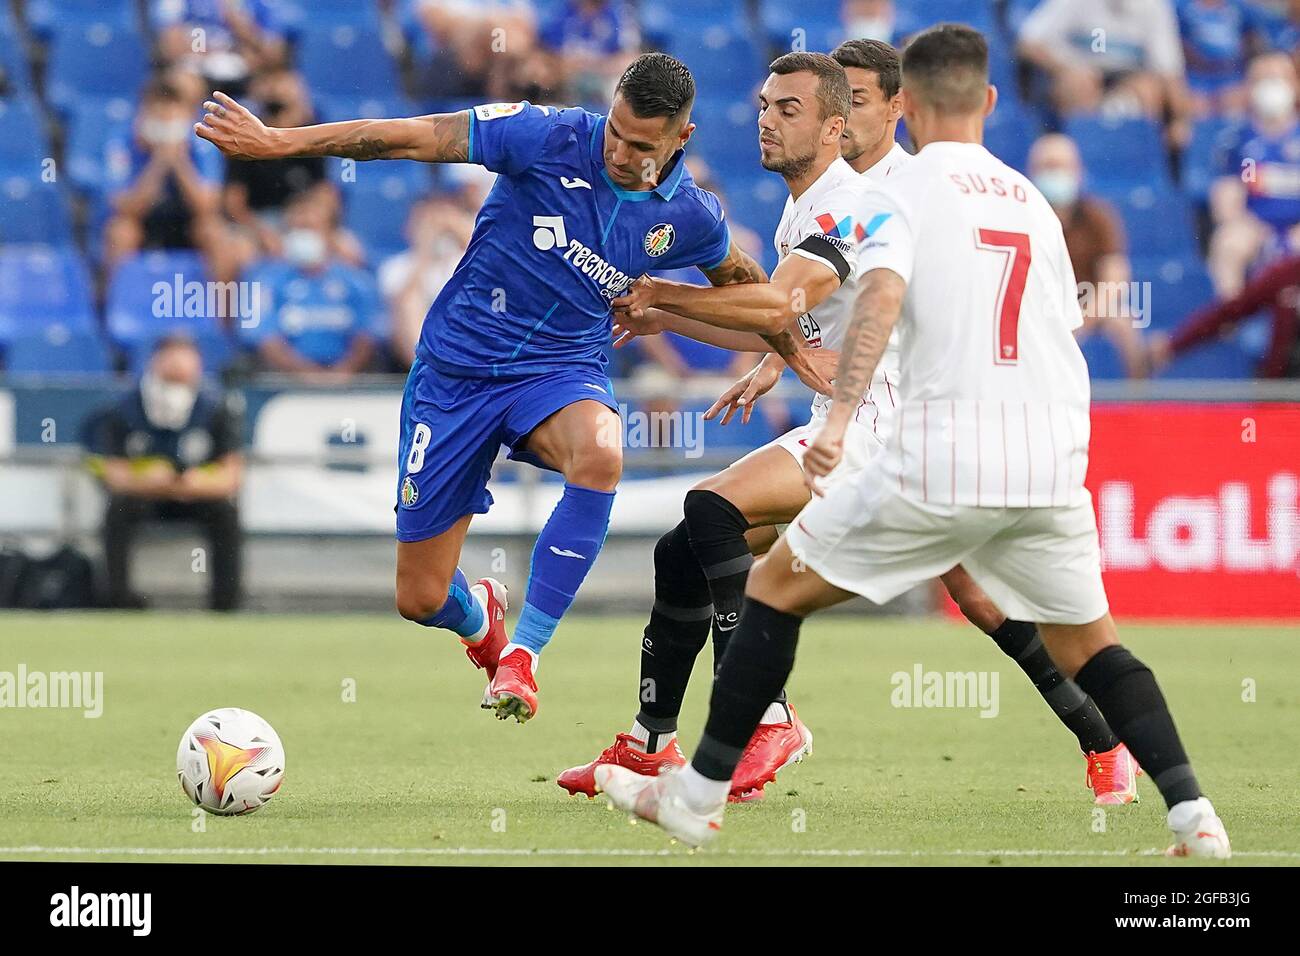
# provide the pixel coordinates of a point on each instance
(230, 761)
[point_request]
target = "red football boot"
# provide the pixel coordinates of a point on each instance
(621, 753)
(483, 654)
(1112, 776)
(772, 748)
(513, 692)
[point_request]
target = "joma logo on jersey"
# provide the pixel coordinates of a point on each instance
(550, 234)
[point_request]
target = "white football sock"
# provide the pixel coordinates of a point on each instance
(479, 593)
(662, 738)
(776, 713)
(700, 793)
(512, 647)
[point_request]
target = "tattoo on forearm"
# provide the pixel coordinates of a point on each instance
(445, 139)
(783, 343)
(363, 149)
(874, 314)
(735, 269)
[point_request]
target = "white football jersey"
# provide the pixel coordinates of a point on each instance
(994, 389)
(823, 224)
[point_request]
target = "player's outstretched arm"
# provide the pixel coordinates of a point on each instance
(766, 308)
(436, 138)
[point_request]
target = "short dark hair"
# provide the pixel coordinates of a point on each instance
(874, 56)
(948, 66)
(656, 84)
(833, 94)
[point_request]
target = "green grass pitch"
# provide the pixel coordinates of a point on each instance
(414, 772)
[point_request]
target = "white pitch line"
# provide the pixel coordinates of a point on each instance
(578, 852)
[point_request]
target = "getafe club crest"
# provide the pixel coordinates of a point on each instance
(660, 239)
(410, 493)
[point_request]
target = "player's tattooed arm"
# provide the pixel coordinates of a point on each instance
(875, 312)
(436, 138)
(739, 266)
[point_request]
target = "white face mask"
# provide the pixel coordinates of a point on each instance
(1272, 99)
(158, 132)
(304, 247)
(166, 404)
(1060, 187)
(872, 28)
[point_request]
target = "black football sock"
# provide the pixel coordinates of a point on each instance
(675, 635)
(1019, 640)
(760, 656)
(1126, 691)
(717, 531)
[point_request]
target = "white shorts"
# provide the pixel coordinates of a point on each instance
(1037, 564)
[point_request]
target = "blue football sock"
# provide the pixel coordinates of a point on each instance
(565, 551)
(462, 612)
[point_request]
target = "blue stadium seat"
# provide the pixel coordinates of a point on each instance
(23, 145)
(1010, 131)
(726, 136)
(1120, 152)
(378, 203)
(665, 21)
(1204, 157)
(93, 123)
(332, 108)
(132, 314)
(1223, 359)
(820, 23)
(50, 18)
(34, 211)
(95, 61)
(303, 16)
(57, 348)
(1179, 286)
(756, 202)
(41, 283)
(1103, 358)
(12, 56)
(720, 60)
(915, 15)
(1158, 220)
(370, 69)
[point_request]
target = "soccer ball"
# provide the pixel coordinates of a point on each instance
(230, 761)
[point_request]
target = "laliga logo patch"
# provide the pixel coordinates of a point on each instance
(660, 239)
(491, 111)
(410, 493)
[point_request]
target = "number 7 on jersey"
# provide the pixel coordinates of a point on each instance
(1014, 248)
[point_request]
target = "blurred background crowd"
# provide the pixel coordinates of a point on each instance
(1163, 131)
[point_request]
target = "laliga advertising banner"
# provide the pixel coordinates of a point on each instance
(1198, 506)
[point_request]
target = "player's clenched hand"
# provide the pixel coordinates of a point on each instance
(641, 295)
(234, 130)
(822, 456)
(744, 393)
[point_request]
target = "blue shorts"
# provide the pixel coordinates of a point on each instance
(452, 429)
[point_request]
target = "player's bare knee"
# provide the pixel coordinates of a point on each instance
(597, 468)
(420, 600)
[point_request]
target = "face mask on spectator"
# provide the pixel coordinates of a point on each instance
(1060, 187)
(1272, 99)
(158, 132)
(872, 28)
(166, 404)
(304, 247)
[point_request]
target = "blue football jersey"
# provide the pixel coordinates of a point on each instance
(1270, 168)
(555, 243)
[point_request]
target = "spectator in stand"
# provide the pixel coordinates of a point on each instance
(1276, 288)
(1255, 204)
(170, 452)
(438, 231)
(1277, 26)
(472, 40)
(1215, 35)
(1123, 55)
(869, 20)
(320, 318)
(255, 193)
(164, 184)
(594, 41)
(226, 40)
(1094, 236)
